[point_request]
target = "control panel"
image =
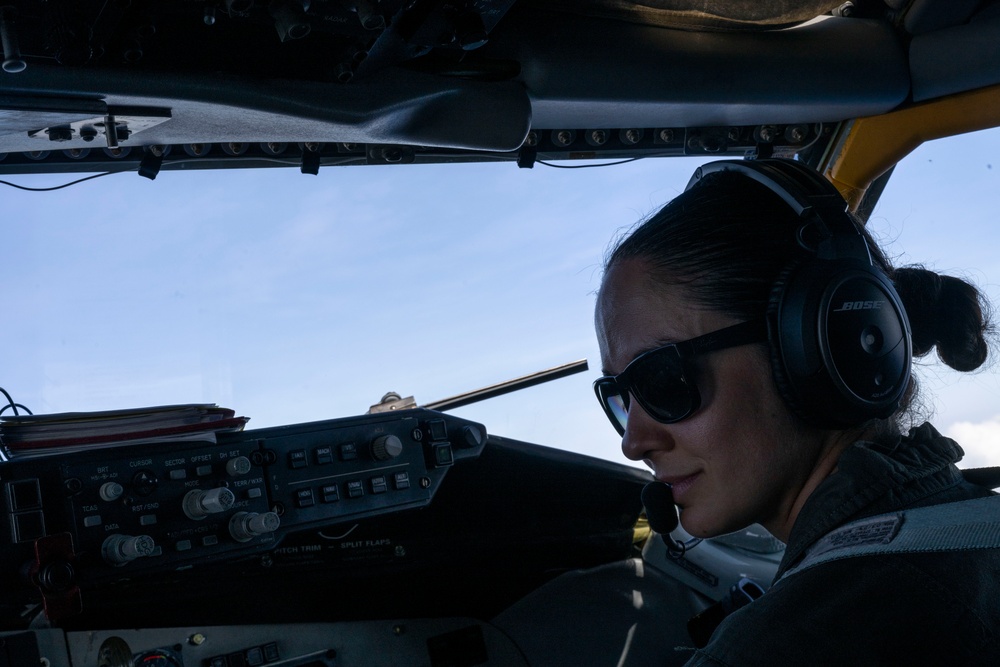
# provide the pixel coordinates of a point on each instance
(323, 474)
(80, 519)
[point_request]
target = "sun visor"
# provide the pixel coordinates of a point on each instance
(822, 71)
(391, 106)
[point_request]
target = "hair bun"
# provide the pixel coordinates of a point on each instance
(944, 312)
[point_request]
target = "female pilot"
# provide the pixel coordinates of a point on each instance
(756, 347)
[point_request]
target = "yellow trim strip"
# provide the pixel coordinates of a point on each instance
(872, 145)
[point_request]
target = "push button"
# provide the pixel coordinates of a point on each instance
(438, 429)
(379, 485)
(304, 498)
(24, 495)
(401, 480)
(443, 455)
(297, 459)
(324, 455)
(330, 493)
(28, 526)
(355, 489)
(348, 451)
(144, 482)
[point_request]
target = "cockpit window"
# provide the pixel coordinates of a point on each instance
(294, 298)
(939, 210)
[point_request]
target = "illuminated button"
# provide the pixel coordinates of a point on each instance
(443, 455)
(330, 493)
(177, 474)
(379, 485)
(92, 521)
(348, 451)
(255, 492)
(147, 520)
(355, 489)
(297, 459)
(401, 480)
(324, 455)
(304, 498)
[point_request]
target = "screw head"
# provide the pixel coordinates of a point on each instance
(797, 133)
(767, 133)
(631, 136)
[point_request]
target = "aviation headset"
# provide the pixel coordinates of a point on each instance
(838, 332)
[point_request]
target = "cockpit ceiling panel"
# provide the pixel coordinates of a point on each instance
(609, 72)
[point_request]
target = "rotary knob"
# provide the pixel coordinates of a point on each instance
(238, 466)
(111, 491)
(244, 526)
(118, 549)
(198, 503)
(386, 447)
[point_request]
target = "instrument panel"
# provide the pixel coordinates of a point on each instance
(455, 642)
(93, 517)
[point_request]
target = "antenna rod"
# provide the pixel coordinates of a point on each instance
(508, 386)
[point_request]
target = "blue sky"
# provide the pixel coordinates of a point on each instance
(294, 298)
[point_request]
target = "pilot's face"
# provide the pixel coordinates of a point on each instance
(741, 457)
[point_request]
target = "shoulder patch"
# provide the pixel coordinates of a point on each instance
(876, 530)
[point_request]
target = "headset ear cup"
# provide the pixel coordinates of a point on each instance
(840, 347)
(779, 372)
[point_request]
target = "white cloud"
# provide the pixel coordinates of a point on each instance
(980, 440)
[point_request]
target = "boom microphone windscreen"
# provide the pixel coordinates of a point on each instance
(658, 499)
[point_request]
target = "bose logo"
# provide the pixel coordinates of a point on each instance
(860, 305)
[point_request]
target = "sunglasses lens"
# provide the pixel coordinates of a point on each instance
(618, 411)
(614, 403)
(662, 388)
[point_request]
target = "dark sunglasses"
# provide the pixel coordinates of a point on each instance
(660, 380)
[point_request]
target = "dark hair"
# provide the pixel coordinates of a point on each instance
(729, 240)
